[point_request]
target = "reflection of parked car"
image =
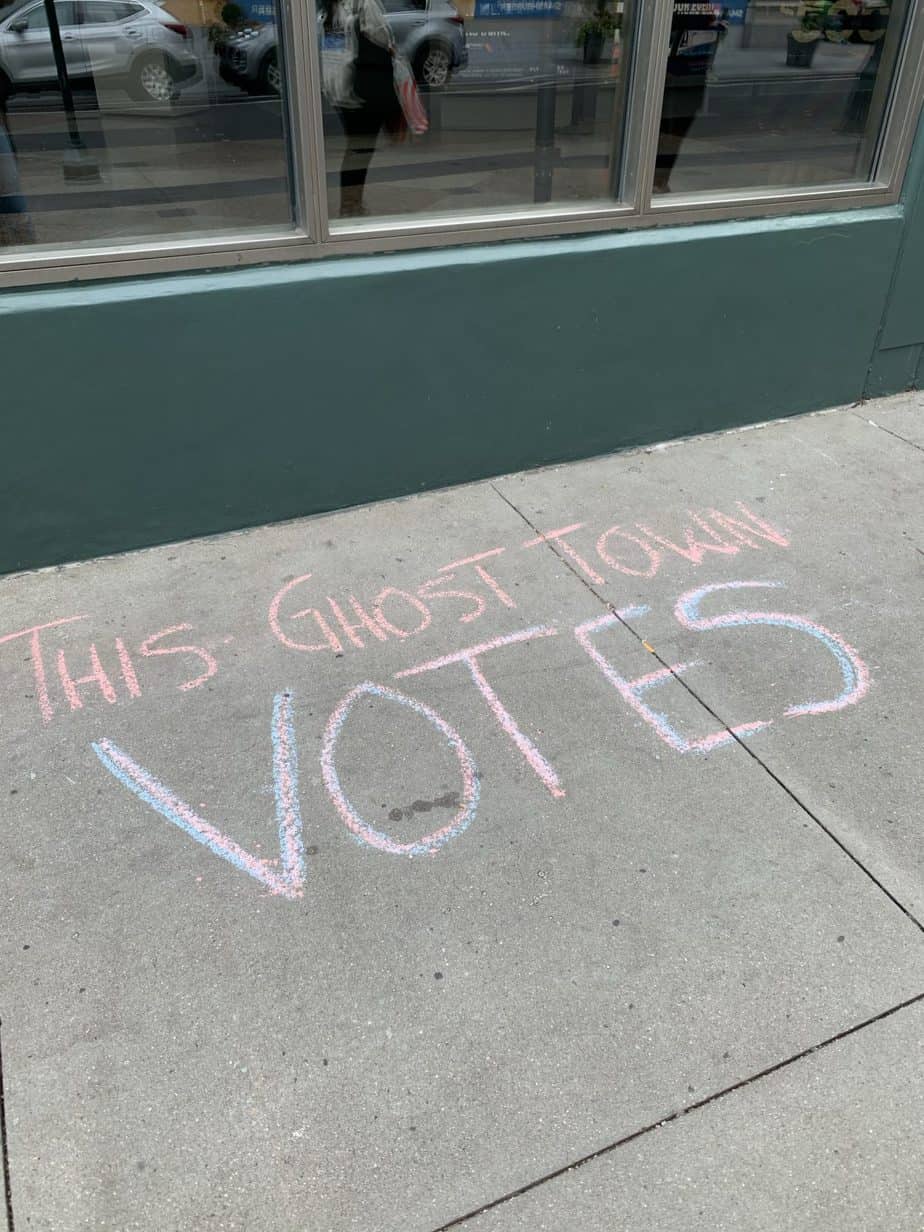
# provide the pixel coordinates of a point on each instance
(134, 41)
(430, 33)
(249, 58)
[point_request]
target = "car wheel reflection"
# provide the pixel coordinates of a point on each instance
(271, 75)
(152, 81)
(434, 65)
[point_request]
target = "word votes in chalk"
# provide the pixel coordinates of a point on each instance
(303, 620)
(286, 876)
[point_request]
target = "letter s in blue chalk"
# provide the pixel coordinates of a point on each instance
(854, 672)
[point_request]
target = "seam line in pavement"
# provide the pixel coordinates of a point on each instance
(681, 1112)
(718, 718)
(4, 1150)
(872, 423)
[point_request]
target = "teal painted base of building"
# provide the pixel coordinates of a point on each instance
(143, 412)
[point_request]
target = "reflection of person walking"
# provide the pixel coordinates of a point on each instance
(695, 32)
(365, 95)
(15, 225)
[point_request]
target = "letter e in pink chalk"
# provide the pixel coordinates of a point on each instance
(632, 690)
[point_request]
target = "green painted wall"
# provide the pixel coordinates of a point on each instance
(140, 412)
(898, 359)
(904, 321)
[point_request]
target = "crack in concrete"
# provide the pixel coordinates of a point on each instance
(761, 1074)
(4, 1150)
(718, 718)
(898, 436)
(461, 1220)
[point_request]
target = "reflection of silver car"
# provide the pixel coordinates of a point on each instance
(430, 33)
(134, 41)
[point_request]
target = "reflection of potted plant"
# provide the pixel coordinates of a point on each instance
(599, 25)
(802, 41)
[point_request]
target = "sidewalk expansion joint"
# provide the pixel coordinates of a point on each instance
(461, 1220)
(898, 436)
(4, 1150)
(748, 748)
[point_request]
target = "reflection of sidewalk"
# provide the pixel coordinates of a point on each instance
(535, 856)
(736, 62)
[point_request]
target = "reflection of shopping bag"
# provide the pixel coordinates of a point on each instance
(337, 55)
(415, 114)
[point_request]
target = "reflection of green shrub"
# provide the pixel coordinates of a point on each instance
(232, 15)
(600, 23)
(856, 21)
(812, 16)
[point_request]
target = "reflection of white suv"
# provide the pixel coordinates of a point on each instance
(430, 33)
(135, 41)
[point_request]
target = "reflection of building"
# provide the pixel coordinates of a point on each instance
(202, 342)
(196, 12)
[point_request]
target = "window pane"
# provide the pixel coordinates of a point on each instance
(98, 12)
(770, 95)
(522, 102)
(170, 123)
(37, 18)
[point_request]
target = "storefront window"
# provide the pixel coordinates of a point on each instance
(178, 131)
(769, 95)
(135, 120)
(438, 106)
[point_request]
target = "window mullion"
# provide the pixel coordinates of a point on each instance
(646, 91)
(305, 117)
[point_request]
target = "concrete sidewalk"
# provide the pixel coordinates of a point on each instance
(539, 854)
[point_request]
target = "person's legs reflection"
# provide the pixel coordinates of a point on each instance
(374, 88)
(362, 90)
(362, 127)
(15, 224)
(695, 33)
(682, 104)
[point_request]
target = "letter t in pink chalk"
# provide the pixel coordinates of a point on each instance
(558, 536)
(469, 657)
(490, 581)
(38, 662)
(631, 690)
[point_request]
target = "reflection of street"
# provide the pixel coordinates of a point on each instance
(213, 159)
(216, 159)
(767, 121)
(15, 227)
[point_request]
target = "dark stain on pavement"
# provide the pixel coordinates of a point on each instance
(449, 799)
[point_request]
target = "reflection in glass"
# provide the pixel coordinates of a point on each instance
(15, 223)
(770, 95)
(123, 124)
(523, 102)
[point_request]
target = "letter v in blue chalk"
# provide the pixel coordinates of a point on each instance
(285, 876)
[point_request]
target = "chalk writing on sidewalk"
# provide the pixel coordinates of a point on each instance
(429, 844)
(285, 877)
(302, 618)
